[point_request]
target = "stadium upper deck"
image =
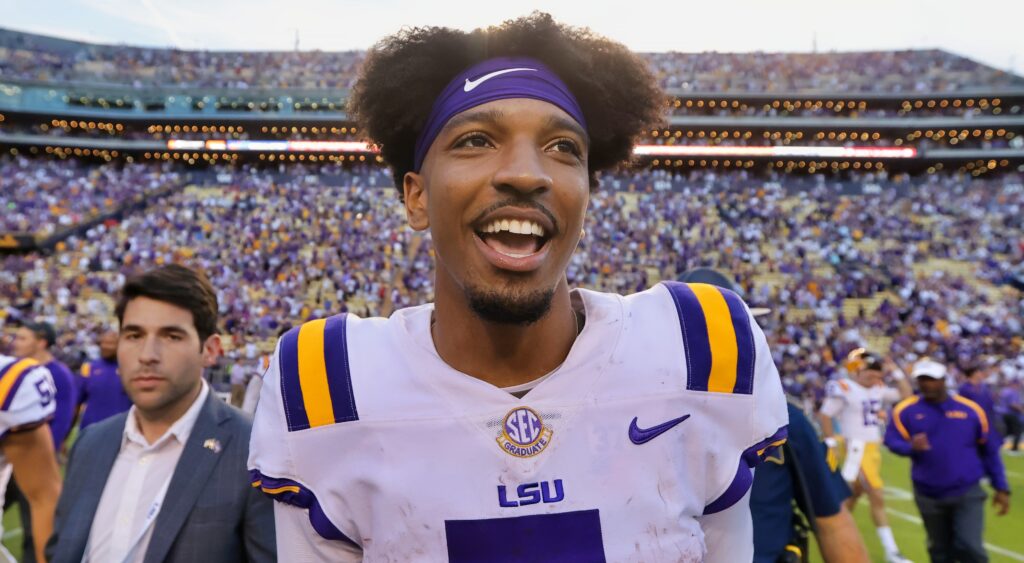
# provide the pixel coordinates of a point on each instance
(913, 111)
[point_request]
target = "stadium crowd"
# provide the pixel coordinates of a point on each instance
(26, 56)
(43, 197)
(915, 268)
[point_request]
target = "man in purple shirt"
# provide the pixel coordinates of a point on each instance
(100, 388)
(36, 341)
(978, 391)
(951, 447)
(1011, 408)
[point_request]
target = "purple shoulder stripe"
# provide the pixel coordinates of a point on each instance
(750, 458)
(696, 346)
(739, 487)
(293, 493)
(291, 390)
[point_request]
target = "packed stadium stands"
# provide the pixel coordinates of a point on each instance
(116, 158)
(868, 199)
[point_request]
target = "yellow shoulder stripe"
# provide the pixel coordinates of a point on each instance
(10, 377)
(977, 410)
(721, 338)
(898, 410)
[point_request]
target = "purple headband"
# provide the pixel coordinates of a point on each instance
(495, 79)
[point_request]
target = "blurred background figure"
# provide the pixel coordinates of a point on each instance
(795, 493)
(859, 403)
(101, 393)
(37, 341)
(951, 447)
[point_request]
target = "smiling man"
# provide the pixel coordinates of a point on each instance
(514, 419)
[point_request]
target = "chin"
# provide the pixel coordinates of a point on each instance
(518, 307)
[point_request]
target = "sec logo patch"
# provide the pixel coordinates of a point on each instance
(523, 433)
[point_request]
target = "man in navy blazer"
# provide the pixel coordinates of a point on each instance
(166, 481)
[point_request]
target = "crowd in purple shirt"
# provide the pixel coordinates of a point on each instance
(41, 197)
(925, 257)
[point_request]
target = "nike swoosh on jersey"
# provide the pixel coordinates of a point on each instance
(471, 84)
(639, 435)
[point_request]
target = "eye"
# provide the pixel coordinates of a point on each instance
(473, 141)
(130, 336)
(567, 146)
(175, 337)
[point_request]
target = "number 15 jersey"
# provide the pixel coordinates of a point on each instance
(666, 400)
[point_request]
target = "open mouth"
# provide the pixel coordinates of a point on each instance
(514, 238)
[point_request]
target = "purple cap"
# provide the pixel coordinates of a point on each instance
(495, 79)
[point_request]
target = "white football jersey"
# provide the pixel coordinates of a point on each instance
(27, 397)
(858, 409)
(665, 402)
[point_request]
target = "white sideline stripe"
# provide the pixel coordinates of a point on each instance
(898, 492)
(11, 534)
(1015, 474)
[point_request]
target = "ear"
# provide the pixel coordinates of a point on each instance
(416, 201)
(212, 350)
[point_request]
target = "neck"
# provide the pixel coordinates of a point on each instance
(43, 357)
(503, 355)
(154, 423)
(938, 398)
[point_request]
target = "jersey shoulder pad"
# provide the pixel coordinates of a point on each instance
(837, 388)
(316, 382)
(11, 378)
(86, 369)
(718, 338)
(27, 393)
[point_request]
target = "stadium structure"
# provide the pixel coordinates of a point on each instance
(833, 113)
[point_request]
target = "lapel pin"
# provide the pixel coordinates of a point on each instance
(212, 444)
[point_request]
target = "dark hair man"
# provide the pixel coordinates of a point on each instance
(164, 481)
(514, 418)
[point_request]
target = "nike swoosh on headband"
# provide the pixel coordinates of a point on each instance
(471, 84)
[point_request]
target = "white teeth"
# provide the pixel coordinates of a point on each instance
(515, 226)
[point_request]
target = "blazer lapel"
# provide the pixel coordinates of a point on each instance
(190, 476)
(100, 461)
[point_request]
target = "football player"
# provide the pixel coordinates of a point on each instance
(27, 402)
(859, 403)
(515, 419)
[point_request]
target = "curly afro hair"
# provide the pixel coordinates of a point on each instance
(404, 73)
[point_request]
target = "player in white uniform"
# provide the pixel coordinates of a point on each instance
(27, 396)
(859, 404)
(513, 419)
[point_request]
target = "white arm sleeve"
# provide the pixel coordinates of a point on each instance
(729, 534)
(298, 542)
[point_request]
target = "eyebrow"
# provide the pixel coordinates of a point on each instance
(159, 329)
(494, 117)
(491, 117)
(559, 122)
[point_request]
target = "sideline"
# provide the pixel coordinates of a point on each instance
(903, 494)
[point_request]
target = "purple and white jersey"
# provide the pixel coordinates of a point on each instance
(27, 397)
(858, 409)
(633, 450)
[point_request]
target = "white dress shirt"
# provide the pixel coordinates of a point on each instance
(140, 474)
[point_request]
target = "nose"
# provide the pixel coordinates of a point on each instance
(521, 169)
(149, 354)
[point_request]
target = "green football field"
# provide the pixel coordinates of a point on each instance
(1004, 536)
